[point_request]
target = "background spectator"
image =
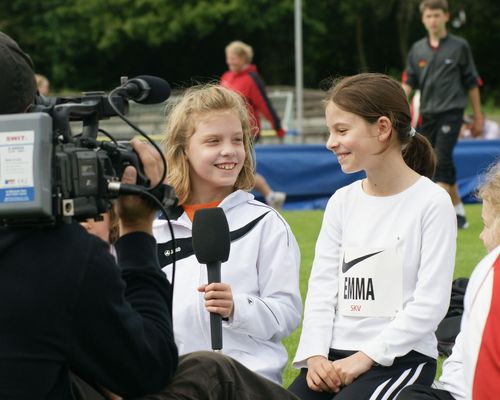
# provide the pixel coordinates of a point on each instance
(442, 67)
(42, 84)
(243, 78)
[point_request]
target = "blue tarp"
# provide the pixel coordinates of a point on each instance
(310, 174)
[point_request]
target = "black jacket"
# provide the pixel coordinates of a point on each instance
(443, 75)
(64, 304)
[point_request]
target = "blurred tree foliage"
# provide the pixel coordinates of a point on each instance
(89, 44)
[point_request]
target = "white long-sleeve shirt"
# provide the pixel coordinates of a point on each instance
(392, 256)
(263, 272)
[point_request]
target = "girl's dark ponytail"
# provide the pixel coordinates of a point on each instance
(420, 156)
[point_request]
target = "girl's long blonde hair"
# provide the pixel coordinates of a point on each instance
(199, 101)
(490, 191)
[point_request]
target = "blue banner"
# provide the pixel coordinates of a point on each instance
(310, 174)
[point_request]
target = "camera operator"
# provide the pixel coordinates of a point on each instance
(64, 304)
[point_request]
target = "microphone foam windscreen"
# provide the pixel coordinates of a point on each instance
(160, 89)
(211, 237)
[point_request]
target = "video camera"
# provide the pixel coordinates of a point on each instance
(48, 175)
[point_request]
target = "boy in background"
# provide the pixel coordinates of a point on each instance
(442, 68)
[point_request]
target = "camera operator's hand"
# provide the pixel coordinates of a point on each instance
(135, 213)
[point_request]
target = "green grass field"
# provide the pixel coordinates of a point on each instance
(306, 226)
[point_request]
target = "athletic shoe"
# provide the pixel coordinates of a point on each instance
(462, 222)
(276, 199)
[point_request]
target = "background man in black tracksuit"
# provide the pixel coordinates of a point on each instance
(66, 305)
(442, 67)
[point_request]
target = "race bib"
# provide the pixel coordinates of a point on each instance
(371, 282)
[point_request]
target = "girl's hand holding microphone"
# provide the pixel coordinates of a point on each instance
(218, 299)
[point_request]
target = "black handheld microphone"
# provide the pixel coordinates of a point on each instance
(146, 89)
(211, 244)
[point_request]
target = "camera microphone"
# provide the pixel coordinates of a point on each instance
(146, 89)
(211, 245)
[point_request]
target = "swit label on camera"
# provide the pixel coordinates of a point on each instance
(16, 166)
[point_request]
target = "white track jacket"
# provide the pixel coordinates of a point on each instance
(263, 271)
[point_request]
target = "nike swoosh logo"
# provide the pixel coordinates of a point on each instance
(346, 266)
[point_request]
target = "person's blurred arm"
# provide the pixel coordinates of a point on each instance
(478, 123)
(452, 378)
(472, 81)
(410, 76)
(407, 88)
(260, 100)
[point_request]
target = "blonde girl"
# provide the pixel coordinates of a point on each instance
(209, 157)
